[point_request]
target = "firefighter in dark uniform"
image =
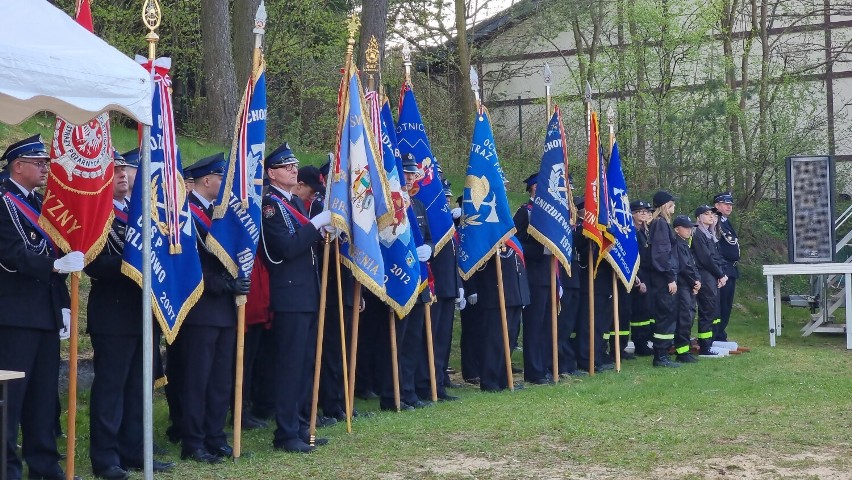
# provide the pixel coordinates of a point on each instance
(688, 285)
(536, 316)
(410, 336)
(291, 243)
(664, 263)
(705, 249)
(208, 337)
(641, 319)
(35, 301)
(448, 291)
(729, 247)
(114, 324)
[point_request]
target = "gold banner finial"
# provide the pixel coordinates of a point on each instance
(352, 24)
(151, 16)
(371, 62)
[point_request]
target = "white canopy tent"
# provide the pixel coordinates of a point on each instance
(49, 62)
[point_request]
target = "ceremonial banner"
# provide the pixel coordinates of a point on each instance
(596, 218)
(550, 216)
(176, 283)
(624, 253)
(402, 272)
(486, 220)
(235, 230)
(353, 187)
(411, 134)
(77, 210)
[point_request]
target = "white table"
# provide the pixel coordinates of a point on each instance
(5, 376)
(773, 291)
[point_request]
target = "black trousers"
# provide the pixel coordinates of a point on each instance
(470, 342)
(292, 350)
(331, 398)
(368, 376)
(442, 312)
(726, 304)
(625, 313)
(264, 376)
(708, 306)
(641, 323)
(665, 311)
(492, 369)
(32, 399)
(174, 372)
(602, 323)
(685, 304)
(570, 313)
(205, 391)
(410, 345)
(115, 410)
(251, 345)
(537, 334)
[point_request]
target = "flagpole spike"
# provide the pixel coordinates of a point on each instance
(372, 55)
(352, 24)
(588, 100)
(610, 121)
(474, 85)
(548, 82)
(406, 61)
(152, 14)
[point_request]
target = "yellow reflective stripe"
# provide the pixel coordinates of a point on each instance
(606, 336)
(703, 335)
(573, 335)
(682, 350)
(717, 320)
(652, 321)
(641, 324)
(664, 336)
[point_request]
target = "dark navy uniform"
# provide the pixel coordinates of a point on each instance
(729, 248)
(537, 316)
(641, 318)
(114, 323)
(687, 276)
(664, 268)
(709, 263)
(570, 313)
(33, 296)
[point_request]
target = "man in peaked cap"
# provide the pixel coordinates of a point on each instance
(641, 319)
(290, 242)
(536, 316)
(208, 336)
(131, 161)
(729, 248)
(35, 301)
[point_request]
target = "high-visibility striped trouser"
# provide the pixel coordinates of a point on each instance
(708, 306)
(685, 304)
(664, 310)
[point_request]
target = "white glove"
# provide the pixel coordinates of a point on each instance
(65, 333)
(547, 251)
(424, 253)
(456, 212)
(560, 291)
(461, 292)
(461, 303)
(322, 219)
(472, 299)
(71, 262)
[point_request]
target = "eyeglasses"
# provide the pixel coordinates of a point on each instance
(289, 167)
(41, 165)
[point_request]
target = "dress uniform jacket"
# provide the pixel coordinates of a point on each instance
(729, 247)
(664, 263)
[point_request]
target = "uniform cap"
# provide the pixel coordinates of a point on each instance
(662, 197)
(212, 165)
(531, 180)
(637, 205)
(683, 221)
(409, 163)
(32, 147)
(724, 197)
(311, 176)
(447, 191)
(579, 201)
(281, 156)
(131, 158)
(702, 210)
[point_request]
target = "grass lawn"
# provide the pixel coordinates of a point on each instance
(778, 412)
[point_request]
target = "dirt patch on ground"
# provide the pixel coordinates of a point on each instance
(816, 465)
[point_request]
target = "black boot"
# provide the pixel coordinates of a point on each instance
(661, 359)
(704, 348)
(641, 348)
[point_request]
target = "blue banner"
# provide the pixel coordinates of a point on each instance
(623, 255)
(402, 272)
(176, 282)
(411, 136)
(550, 216)
(351, 190)
(486, 220)
(235, 231)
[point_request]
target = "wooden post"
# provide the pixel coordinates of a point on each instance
(430, 349)
(72, 377)
(591, 310)
(616, 321)
(353, 352)
(238, 381)
(554, 316)
(343, 338)
(394, 362)
(505, 324)
(320, 335)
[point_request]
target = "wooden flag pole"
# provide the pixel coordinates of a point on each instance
(320, 335)
(610, 117)
(238, 381)
(503, 321)
(394, 362)
(72, 376)
(430, 347)
(348, 407)
(554, 264)
(353, 349)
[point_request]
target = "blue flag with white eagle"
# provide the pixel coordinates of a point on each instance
(623, 255)
(486, 220)
(411, 136)
(550, 215)
(235, 230)
(402, 269)
(357, 182)
(176, 282)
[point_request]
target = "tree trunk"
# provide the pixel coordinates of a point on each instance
(244, 12)
(465, 94)
(374, 23)
(219, 76)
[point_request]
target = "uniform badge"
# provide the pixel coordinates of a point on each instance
(33, 236)
(268, 211)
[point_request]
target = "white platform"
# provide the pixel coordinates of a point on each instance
(773, 296)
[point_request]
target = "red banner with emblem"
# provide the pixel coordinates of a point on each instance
(77, 210)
